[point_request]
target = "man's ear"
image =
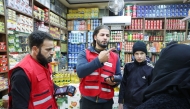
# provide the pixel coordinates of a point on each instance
(95, 37)
(35, 50)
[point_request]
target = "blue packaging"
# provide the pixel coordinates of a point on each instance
(72, 55)
(181, 5)
(72, 61)
(185, 10)
(184, 14)
(75, 61)
(69, 55)
(145, 7)
(173, 6)
(142, 7)
(176, 14)
(177, 6)
(185, 5)
(168, 6)
(138, 7)
(72, 50)
(172, 14)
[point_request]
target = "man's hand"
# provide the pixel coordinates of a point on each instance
(108, 81)
(104, 55)
(120, 106)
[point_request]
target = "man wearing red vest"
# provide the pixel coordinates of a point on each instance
(30, 81)
(93, 66)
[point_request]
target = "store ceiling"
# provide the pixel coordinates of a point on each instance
(103, 3)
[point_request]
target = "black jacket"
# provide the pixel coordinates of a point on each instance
(170, 86)
(165, 101)
(137, 76)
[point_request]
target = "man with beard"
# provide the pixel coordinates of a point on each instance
(95, 66)
(30, 81)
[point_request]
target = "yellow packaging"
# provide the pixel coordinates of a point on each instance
(82, 16)
(88, 10)
(96, 15)
(74, 16)
(96, 10)
(81, 10)
(92, 10)
(70, 11)
(68, 16)
(74, 11)
(85, 16)
(92, 15)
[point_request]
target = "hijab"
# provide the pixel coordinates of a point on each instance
(171, 73)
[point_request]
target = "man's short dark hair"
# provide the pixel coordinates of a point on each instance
(37, 38)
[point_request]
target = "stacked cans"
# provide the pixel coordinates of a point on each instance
(130, 10)
(92, 24)
(73, 51)
(77, 37)
(136, 24)
(175, 24)
(172, 10)
(176, 36)
(153, 24)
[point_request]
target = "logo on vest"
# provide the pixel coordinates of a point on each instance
(108, 64)
(143, 77)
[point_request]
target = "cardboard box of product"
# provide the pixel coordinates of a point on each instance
(11, 3)
(18, 5)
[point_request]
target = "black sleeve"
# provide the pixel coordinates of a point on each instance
(123, 86)
(150, 77)
(20, 89)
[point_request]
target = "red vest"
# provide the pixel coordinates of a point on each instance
(41, 95)
(93, 85)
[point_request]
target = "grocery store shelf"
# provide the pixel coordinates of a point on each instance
(52, 24)
(185, 42)
(54, 63)
(4, 72)
(133, 29)
(62, 17)
(186, 18)
(19, 12)
(3, 89)
(85, 19)
(2, 33)
(56, 38)
(175, 29)
(175, 17)
(3, 51)
(38, 20)
(37, 3)
(128, 52)
(63, 52)
(155, 17)
(2, 15)
(64, 28)
(137, 17)
(154, 29)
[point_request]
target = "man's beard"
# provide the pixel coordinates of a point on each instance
(42, 60)
(102, 45)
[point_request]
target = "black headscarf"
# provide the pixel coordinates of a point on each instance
(171, 73)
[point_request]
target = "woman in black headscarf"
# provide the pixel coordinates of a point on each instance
(170, 87)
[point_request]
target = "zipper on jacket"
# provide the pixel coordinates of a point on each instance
(96, 99)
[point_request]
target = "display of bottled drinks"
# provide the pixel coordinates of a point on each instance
(65, 78)
(133, 36)
(116, 36)
(176, 36)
